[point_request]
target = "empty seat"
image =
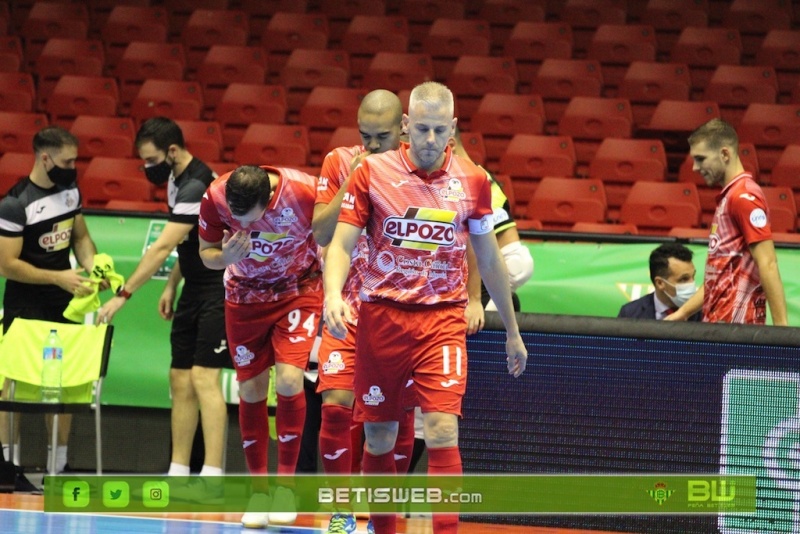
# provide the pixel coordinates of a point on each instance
(208, 27)
(754, 18)
(422, 13)
(225, 64)
(10, 53)
(17, 130)
(589, 120)
(530, 43)
(449, 39)
(306, 69)
(785, 237)
(655, 207)
(108, 178)
(586, 15)
(507, 13)
(203, 139)
(561, 202)
(500, 116)
(474, 146)
(474, 76)
(670, 17)
(703, 49)
(80, 57)
(786, 171)
(242, 104)
(51, 19)
(169, 98)
(104, 136)
(82, 95)
(646, 83)
(13, 167)
(344, 136)
(340, 14)
(782, 208)
(771, 127)
(261, 12)
(288, 31)
(781, 50)
(273, 144)
(148, 61)
(689, 233)
(17, 91)
(605, 228)
(615, 46)
(506, 184)
(326, 109)
(734, 87)
(128, 24)
(673, 121)
(368, 34)
(395, 71)
(621, 162)
(558, 80)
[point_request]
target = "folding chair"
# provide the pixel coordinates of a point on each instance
(85, 363)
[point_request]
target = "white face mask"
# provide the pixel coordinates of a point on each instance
(683, 292)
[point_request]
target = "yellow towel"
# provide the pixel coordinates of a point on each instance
(103, 270)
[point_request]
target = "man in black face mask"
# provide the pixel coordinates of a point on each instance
(199, 345)
(40, 220)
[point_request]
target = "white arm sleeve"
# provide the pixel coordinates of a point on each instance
(519, 263)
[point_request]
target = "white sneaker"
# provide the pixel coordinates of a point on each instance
(202, 490)
(283, 502)
(257, 515)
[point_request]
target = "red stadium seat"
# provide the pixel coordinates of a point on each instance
(79, 57)
(474, 146)
(605, 228)
(368, 34)
(169, 98)
(507, 185)
(52, 19)
(586, 15)
(82, 95)
(148, 61)
(782, 208)
(558, 80)
(669, 17)
(785, 237)
(288, 31)
(503, 15)
(754, 18)
(734, 87)
(771, 127)
(180, 11)
(113, 179)
(646, 83)
(17, 130)
(500, 116)
(395, 71)
(589, 120)
(221, 167)
(10, 53)
(136, 206)
(673, 121)
(306, 69)
(689, 233)
(203, 139)
(615, 46)
(703, 49)
(621, 162)
(561, 202)
(474, 76)
(273, 144)
(326, 109)
(786, 171)
(17, 91)
(13, 166)
(261, 12)
(208, 27)
(655, 207)
(422, 13)
(242, 104)
(449, 39)
(104, 136)
(340, 14)
(781, 50)
(344, 136)
(128, 24)
(530, 43)
(225, 64)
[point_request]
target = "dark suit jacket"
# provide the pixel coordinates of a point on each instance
(645, 308)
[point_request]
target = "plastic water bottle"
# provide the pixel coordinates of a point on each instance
(51, 368)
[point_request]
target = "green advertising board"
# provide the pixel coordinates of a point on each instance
(592, 279)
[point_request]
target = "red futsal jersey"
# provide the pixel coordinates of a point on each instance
(732, 285)
(335, 170)
(416, 225)
(284, 260)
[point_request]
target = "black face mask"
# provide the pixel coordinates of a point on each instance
(159, 173)
(61, 176)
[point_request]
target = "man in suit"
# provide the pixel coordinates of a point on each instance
(672, 273)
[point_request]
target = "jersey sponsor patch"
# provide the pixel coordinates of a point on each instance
(454, 192)
(334, 364)
(243, 356)
(287, 217)
(349, 201)
(758, 218)
(421, 229)
(374, 397)
(322, 183)
(266, 244)
(58, 238)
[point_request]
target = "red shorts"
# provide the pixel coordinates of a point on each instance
(393, 345)
(264, 333)
(336, 360)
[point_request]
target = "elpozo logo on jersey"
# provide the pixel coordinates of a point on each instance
(58, 238)
(454, 192)
(421, 229)
(266, 244)
(287, 217)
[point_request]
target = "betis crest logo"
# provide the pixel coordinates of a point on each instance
(660, 493)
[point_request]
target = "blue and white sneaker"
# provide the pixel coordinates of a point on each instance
(370, 527)
(342, 524)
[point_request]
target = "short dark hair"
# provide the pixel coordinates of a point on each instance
(247, 187)
(53, 137)
(659, 258)
(716, 133)
(160, 131)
